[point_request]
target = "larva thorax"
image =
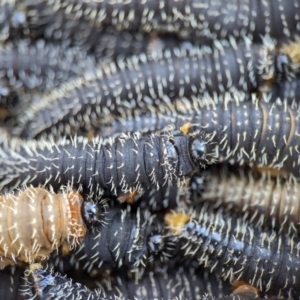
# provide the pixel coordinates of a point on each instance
(36, 222)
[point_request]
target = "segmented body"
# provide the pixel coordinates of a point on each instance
(241, 251)
(120, 165)
(289, 90)
(126, 239)
(244, 129)
(179, 282)
(143, 82)
(36, 222)
(206, 20)
(266, 201)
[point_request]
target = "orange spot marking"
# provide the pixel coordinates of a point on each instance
(176, 221)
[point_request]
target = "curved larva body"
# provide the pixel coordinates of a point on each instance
(36, 222)
(289, 90)
(174, 282)
(114, 166)
(239, 250)
(126, 239)
(207, 20)
(267, 202)
(143, 82)
(243, 129)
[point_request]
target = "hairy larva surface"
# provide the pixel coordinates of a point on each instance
(36, 222)
(12, 284)
(112, 166)
(268, 202)
(40, 65)
(42, 22)
(126, 239)
(142, 82)
(207, 20)
(172, 283)
(43, 284)
(244, 129)
(239, 250)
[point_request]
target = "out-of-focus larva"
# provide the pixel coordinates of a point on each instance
(35, 222)
(289, 90)
(13, 284)
(115, 166)
(206, 20)
(141, 82)
(39, 66)
(165, 284)
(266, 201)
(244, 129)
(126, 239)
(239, 250)
(43, 284)
(39, 21)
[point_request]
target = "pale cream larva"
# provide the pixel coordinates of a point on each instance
(35, 222)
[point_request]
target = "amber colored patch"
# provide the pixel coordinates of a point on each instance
(273, 172)
(65, 249)
(129, 198)
(242, 288)
(185, 128)
(293, 50)
(176, 221)
(77, 228)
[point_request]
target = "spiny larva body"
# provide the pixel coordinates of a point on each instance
(239, 250)
(142, 82)
(266, 201)
(36, 222)
(244, 129)
(114, 166)
(206, 20)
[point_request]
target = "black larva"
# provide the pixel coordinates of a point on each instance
(289, 90)
(12, 284)
(125, 239)
(206, 20)
(239, 250)
(244, 129)
(142, 82)
(172, 283)
(42, 22)
(39, 66)
(115, 166)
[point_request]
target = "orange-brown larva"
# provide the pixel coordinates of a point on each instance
(36, 221)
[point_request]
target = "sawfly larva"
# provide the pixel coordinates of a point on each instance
(125, 239)
(207, 21)
(142, 82)
(114, 166)
(244, 129)
(237, 249)
(36, 222)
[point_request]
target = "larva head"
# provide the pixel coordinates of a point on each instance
(93, 213)
(198, 149)
(160, 246)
